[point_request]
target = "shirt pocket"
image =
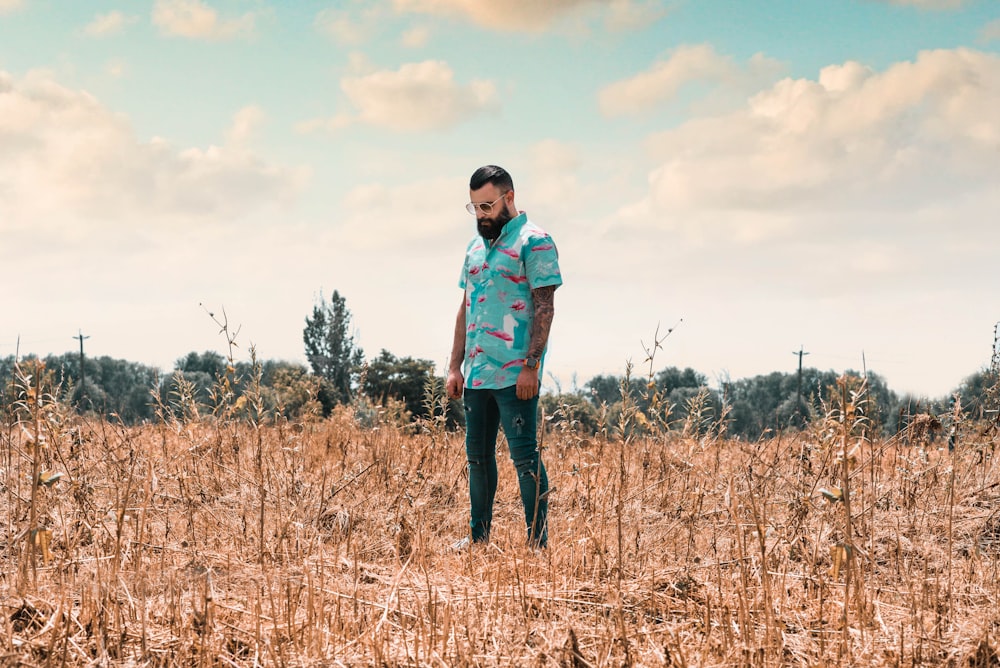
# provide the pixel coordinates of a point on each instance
(477, 270)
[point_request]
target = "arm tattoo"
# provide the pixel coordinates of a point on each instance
(544, 299)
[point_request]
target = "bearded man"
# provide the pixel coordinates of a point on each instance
(509, 278)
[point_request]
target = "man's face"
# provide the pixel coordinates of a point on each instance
(492, 199)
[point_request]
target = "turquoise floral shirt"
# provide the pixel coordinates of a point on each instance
(498, 279)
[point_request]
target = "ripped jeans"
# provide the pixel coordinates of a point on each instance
(485, 411)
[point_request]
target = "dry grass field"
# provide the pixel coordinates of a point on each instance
(221, 542)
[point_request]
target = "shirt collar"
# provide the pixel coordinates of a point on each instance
(512, 226)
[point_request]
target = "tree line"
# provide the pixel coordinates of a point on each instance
(408, 389)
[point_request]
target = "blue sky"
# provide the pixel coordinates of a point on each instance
(775, 174)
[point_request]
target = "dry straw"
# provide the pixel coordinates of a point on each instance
(227, 537)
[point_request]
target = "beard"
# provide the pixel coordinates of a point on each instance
(490, 228)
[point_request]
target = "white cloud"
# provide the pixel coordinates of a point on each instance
(535, 16)
(63, 156)
(196, 20)
(116, 69)
(416, 37)
(349, 27)
(685, 65)
(329, 125)
(416, 97)
(245, 123)
(10, 5)
(358, 63)
(630, 15)
(852, 139)
(662, 81)
(990, 31)
(108, 24)
(551, 179)
(556, 156)
(851, 185)
(375, 215)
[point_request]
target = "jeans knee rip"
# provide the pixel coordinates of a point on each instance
(527, 468)
(519, 424)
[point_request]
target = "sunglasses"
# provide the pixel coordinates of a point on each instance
(485, 207)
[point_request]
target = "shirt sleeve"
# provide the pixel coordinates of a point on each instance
(465, 272)
(541, 263)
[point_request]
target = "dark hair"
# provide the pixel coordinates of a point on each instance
(498, 176)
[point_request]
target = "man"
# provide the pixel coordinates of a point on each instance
(510, 276)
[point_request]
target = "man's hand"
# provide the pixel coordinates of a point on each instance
(527, 383)
(456, 381)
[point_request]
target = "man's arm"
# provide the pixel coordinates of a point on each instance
(541, 323)
(455, 378)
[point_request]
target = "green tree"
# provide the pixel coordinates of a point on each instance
(110, 387)
(673, 378)
(290, 389)
(330, 350)
(675, 387)
(201, 370)
(209, 362)
(570, 412)
(975, 393)
(126, 386)
(606, 389)
(404, 378)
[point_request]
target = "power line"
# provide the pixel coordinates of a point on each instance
(27, 342)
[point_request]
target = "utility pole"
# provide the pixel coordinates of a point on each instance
(798, 391)
(82, 376)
